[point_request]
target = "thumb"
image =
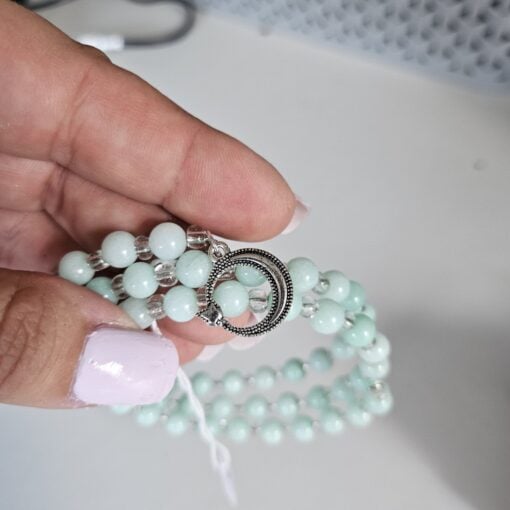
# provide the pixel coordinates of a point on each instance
(64, 346)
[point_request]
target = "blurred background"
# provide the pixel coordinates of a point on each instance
(392, 120)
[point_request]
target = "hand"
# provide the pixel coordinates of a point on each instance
(87, 148)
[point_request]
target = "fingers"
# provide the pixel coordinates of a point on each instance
(113, 129)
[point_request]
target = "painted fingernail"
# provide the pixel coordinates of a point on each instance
(300, 213)
(125, 367)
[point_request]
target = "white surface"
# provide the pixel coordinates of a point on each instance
(409, 182)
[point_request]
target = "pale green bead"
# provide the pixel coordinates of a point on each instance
(356, 298)
(341, 349)
(137, 310)
(184, 405)
(202, 383)
(295, 307)
(318, 398)
(233, 382)
(304, 274)
(256, 407)
(341, 390)
(370, 311)
(302, 428)
(264, 377)
(379, 403)
(287, 405)
(214, 424)
(74, 267)
(375, 371)
(329, 318)
(139, 280)
(232, 298)
(357, 380)
(180, 303)
(293, 370)
(121, 409)
(321, 360)
(222, 407)
(338, 286)
(177, 423)
(272, 432)
(192, 268)
(249, 276)
(146, 416)
(118, 249)
(167, 241)
(377, 351)
(362, 331)
(102, 285)
(332, 422)
(238, 430)
(358, 417)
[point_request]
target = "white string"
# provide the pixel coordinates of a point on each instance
(220, 457)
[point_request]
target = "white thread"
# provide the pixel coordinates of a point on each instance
(220, 457)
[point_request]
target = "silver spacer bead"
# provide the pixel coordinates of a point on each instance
(118, 286)
(309, 307)
(165, 272)
(322, 285)
(258, 300)
(197, 238)
(201, 297)
(155, 307)
(96, 261)
(349, 322)
(142, 248)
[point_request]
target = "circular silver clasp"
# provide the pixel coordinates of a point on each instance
(277, 276)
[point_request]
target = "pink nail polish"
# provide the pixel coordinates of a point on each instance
(300, 213)
(122, 366)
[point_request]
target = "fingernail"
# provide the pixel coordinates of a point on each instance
(300, 213)
(125, 367)
(209, 352)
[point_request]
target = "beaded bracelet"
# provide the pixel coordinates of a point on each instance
(203, 278)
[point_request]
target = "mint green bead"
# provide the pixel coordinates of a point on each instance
(358, 417)
(238, 429)
(318, 398)
(375, 371)
(232, 298)
(338, 286)
(293, 370)
(146, 416)
(184, 405)
(377, 351)
(332, 421)
(121, 409)
(321, 360)
(329, 318)
(302, 428)
(379, 403)
(287, 405)
(272, 432)
(295, 307)
(341, 349)
(73, 266)
(137, 310)
(256, 407)
(180, 303)
(102, 285)
(214, 424)
(370, 311)
(341, 390)
(264, 377)
(304, 274)
(118, 249)
(361, 333)
(177, 423)
(356, 298)
(233, 382)
(202, 383)
(139, 280)
(167, 241)
(249, 276)
(222, 407)
(192, 268)
(358, 381)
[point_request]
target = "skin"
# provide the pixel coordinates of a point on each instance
(87, 148)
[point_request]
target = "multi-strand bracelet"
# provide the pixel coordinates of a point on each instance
(184, 274)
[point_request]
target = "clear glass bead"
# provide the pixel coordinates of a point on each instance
(309, 307)
(165, 272)
(143, 251)
(118, 286)
(96, 261)
(197, 238)
(322, 285)
(155, 307)
(217, 249)
(229, 274)
(258, 300)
